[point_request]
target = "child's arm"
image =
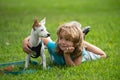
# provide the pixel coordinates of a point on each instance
(71, 62)
(68, 60)
(25, 45)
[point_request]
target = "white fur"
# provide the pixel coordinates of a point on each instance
(36, 33)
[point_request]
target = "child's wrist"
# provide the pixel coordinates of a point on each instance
(66, 55)
(66, 52)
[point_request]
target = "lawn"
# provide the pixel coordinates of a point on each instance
(16, 19)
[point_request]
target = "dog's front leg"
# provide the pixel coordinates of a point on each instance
(27, 60)
(43, 60)
(43, 57)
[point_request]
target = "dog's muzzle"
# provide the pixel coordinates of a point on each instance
(48, 35)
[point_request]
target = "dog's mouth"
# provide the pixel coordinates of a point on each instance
(48, 35)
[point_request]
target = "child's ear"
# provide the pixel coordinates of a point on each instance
(43, 21)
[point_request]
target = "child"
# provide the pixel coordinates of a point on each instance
(70, 48)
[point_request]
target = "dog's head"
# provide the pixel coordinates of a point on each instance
(39, 28)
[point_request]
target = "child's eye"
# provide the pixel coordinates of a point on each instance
(60, 37)
(67, 39)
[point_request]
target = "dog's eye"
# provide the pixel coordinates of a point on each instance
(42, 29)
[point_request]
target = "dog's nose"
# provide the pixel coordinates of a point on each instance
(48, 35)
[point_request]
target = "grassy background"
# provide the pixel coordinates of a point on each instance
(16, 19)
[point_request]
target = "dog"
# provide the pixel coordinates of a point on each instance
(37, 46)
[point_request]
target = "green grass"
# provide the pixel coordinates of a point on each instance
(16, 19)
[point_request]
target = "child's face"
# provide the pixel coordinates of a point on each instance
(64, 42)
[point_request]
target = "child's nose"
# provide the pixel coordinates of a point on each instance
(63, 42)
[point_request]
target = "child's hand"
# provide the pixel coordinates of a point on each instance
(69, 50)
(25, 45)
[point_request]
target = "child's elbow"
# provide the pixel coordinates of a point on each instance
(104, 55)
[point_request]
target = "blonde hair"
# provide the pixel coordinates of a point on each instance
(73, 33)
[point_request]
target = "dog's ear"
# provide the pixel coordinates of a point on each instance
(35, 24)
(43, 21)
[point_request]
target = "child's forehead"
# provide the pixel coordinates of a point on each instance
(65, 34)
(64, 31)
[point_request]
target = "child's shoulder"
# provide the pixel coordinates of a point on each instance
(51, 44)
